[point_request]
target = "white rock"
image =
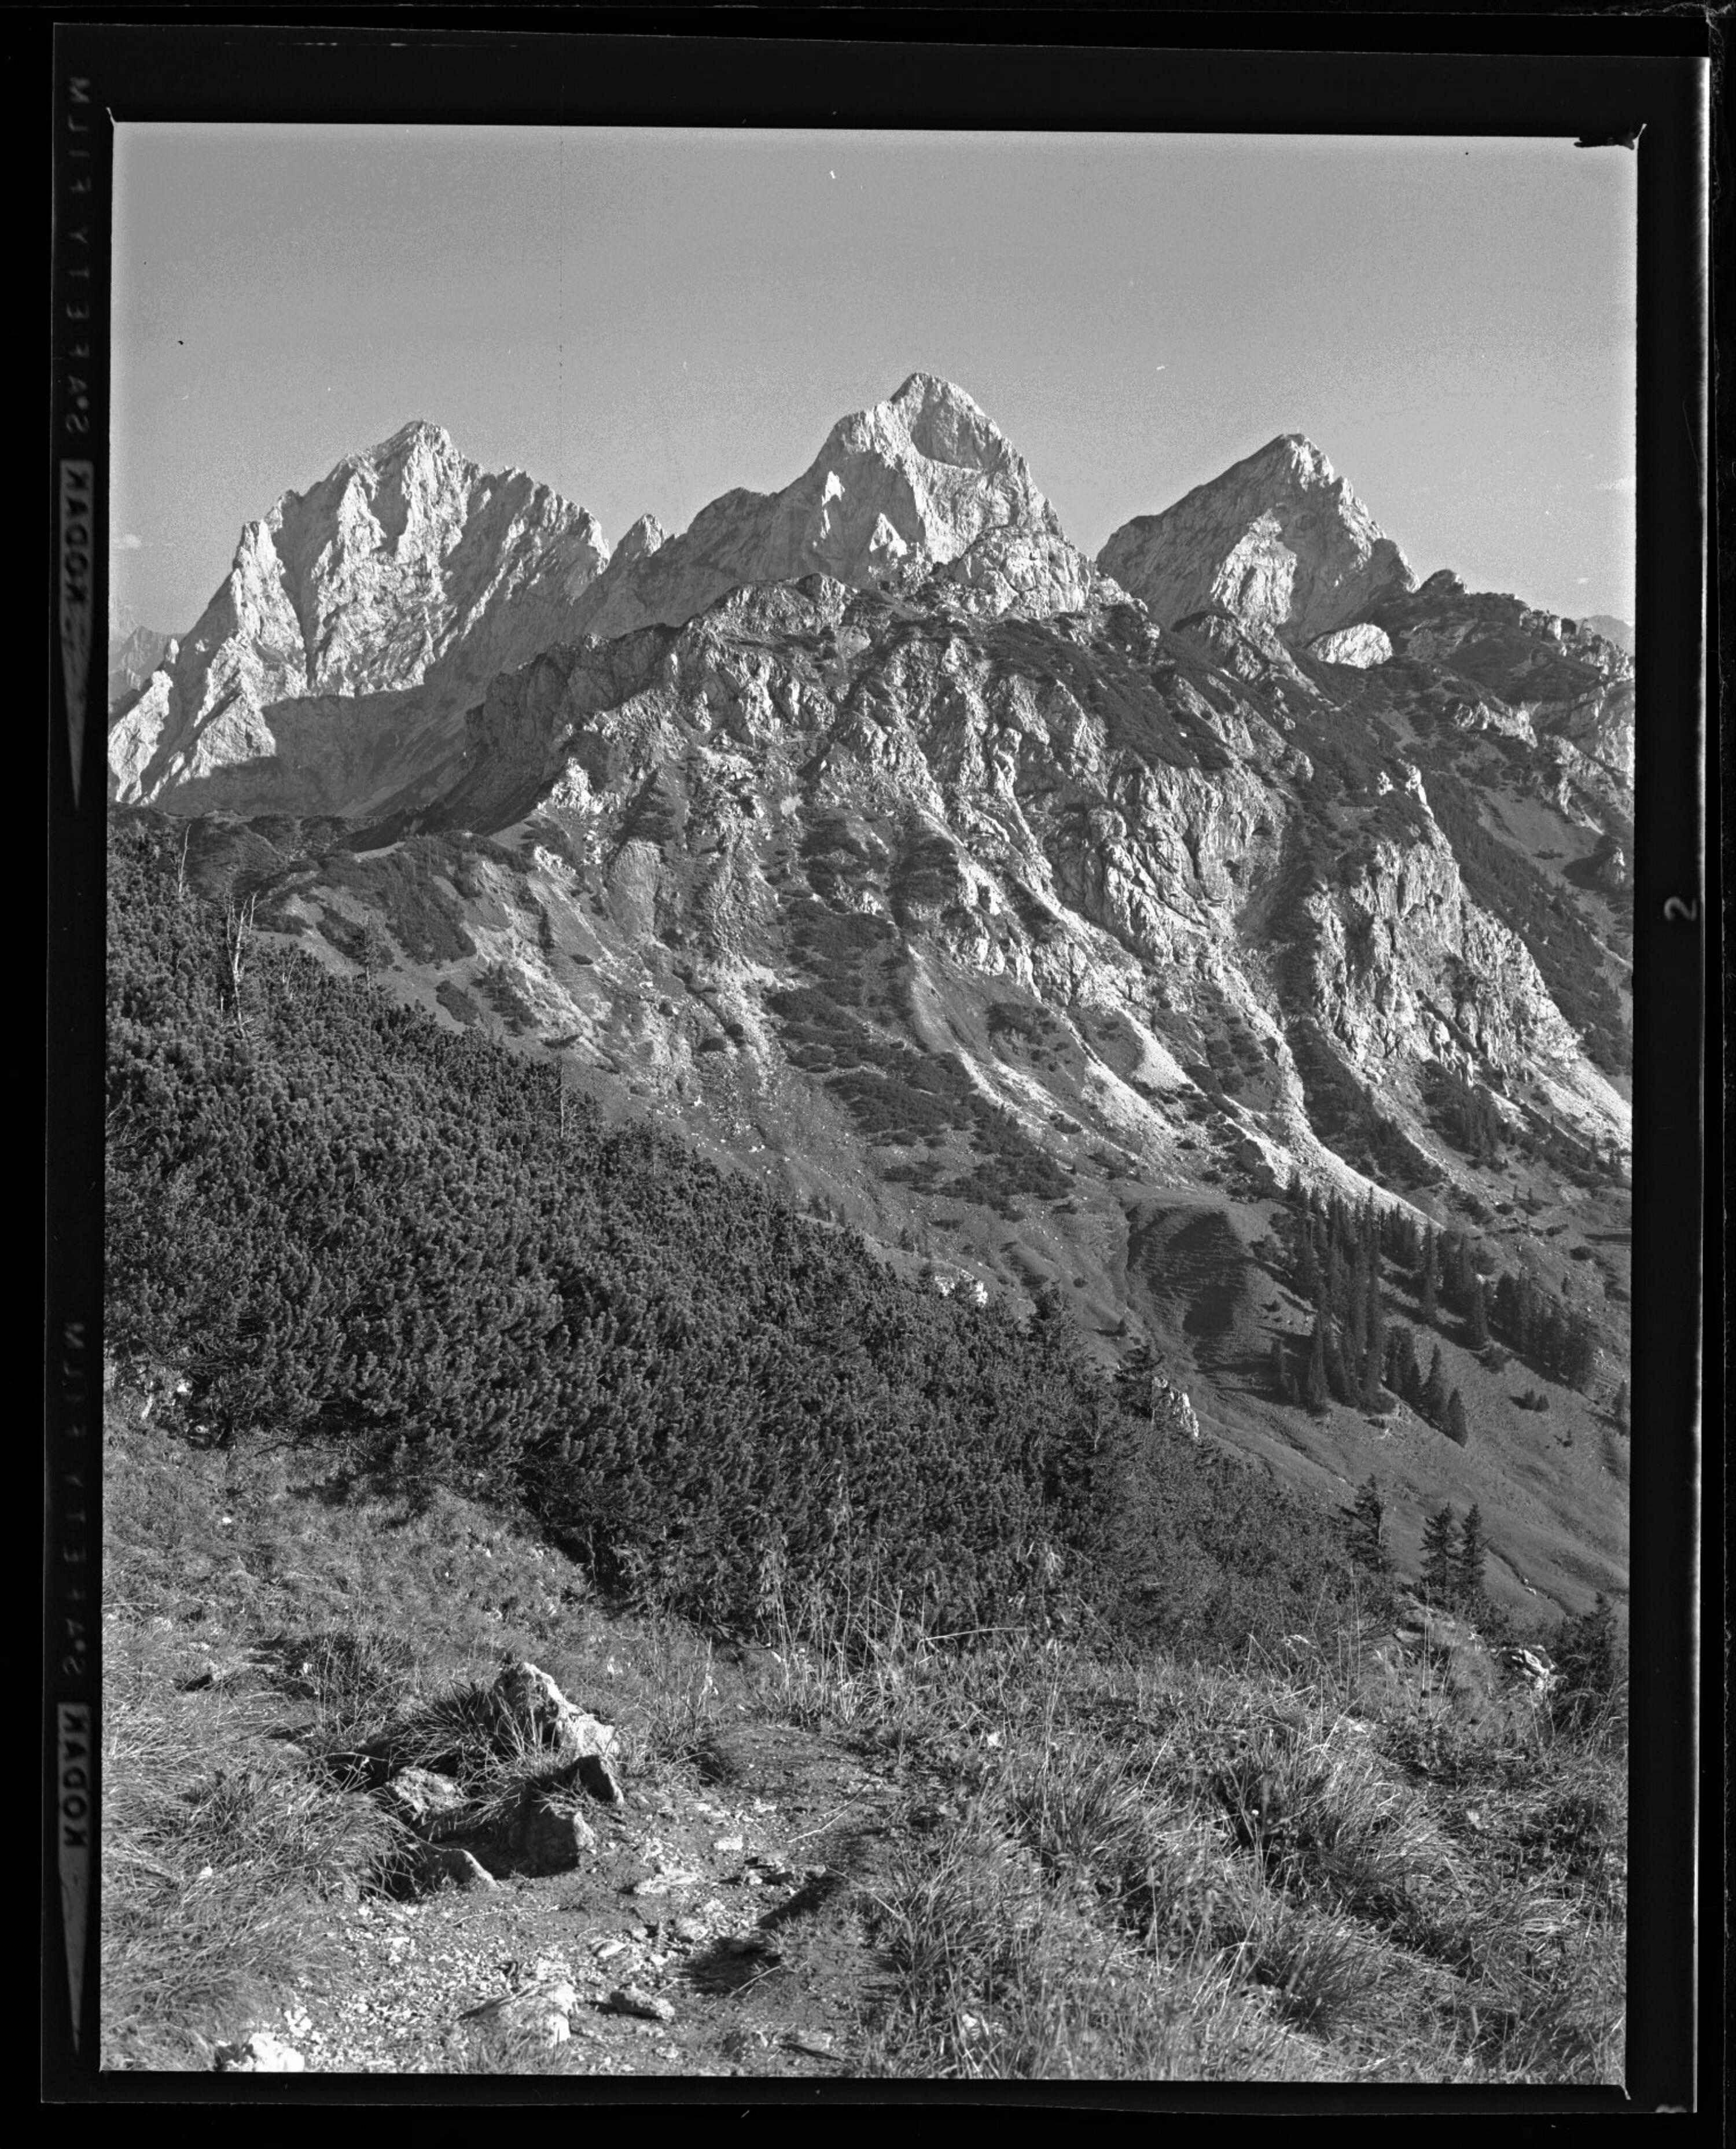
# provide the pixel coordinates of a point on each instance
(1362, 645)
(463, 1869)
(260, 2054)
(530, 1699)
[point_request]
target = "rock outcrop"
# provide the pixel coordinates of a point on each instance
(1529, 672)
(360, 621)
(1279, 542)
(1081, 810)
(1361, 646)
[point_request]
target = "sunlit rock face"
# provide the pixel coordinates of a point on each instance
(1279, 542)
(358, 623)
(924, 479)
(1080, 809)
(1361, 646)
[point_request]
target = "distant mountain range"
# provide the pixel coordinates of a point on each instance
(1042, 916)
(135, 650)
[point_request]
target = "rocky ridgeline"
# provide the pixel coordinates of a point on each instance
(332, 669)
(1182, 795)
(1556, 685)
(921, 481)
(1088, 816)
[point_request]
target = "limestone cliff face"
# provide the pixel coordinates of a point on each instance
(1279, 541)
(1405, 964)
(924, 479)
(358, 622)
(1080, 809)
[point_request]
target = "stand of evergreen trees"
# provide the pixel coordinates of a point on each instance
(1355, 1353)
(357, 1232)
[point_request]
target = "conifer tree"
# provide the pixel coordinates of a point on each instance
(1468, 1565)
(1374, 1320)
(1429, 1306)
(1370, 1394)
(1433, 1404)
(1477, 1318)
(1455, 1426)
(1440, 1556)
(1337, 1378)
(1314, 1381)
(1278, 1368)
(1367, 1516)
(1401, 1363)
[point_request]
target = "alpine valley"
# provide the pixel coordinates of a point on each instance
(1084, 934)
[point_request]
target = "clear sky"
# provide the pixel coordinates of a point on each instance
(645, 318)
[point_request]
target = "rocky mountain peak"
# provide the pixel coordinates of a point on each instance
(407, 569)
(1280, 541)
(418, 433)
(646, 537)
(923, 481)
(933, 419)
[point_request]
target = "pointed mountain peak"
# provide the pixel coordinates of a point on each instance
(646, 537)
(1299, 453)
(419, 433)
(924, 481)
(1279, 541)
(934, 419)
(919, 388)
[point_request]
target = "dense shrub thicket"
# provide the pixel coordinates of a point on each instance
(351, 1229)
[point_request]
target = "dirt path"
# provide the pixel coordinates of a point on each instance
(727, 1893)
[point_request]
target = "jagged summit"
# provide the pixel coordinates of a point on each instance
(936, 420)
(924, 481)
(407, 569)
(1278, 541)
(408, 436)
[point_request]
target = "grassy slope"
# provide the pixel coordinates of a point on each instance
(1062, 1885)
